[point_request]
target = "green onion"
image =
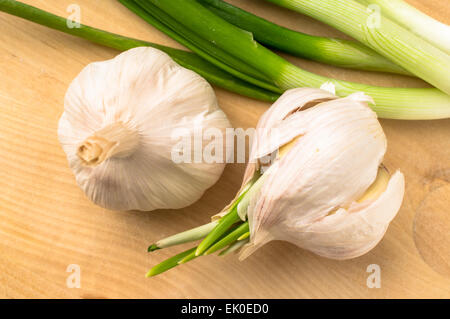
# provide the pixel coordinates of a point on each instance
(234, 66)
(186, 59)
(394, 103)
(435, 32)
(382, 35)
(341, 53)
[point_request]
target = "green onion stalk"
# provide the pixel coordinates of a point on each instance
(205, 30)
(210, 72)
(337, 52)
(381, 34)
(435, 32)
(215, 55)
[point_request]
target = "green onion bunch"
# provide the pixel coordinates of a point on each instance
(192, 23)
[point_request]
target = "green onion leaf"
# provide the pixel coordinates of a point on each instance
(395, 103)
(422, 25)
(341, 53)
(211, 73)
(155, 17)
(381, 34)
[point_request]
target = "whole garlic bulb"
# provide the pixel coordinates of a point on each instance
(116, 130)
(327, 190)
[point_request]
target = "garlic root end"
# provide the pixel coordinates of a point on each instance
(114, 140)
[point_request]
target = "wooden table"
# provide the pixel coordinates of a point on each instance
(47, 224)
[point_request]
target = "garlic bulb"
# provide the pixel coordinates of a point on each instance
(327, 190)
(117, 131)
(315, 179)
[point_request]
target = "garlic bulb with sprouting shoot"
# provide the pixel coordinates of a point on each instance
(123, 121)
(315, 179)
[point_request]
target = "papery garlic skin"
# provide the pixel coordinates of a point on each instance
(352, 232)
(338, 148)
(117, 131)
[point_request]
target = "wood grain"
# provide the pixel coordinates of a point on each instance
(46, 222)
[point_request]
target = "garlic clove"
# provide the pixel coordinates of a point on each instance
(272, 131)
(352, 232)
(347, 232)
(377, 187)
(375, 190)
